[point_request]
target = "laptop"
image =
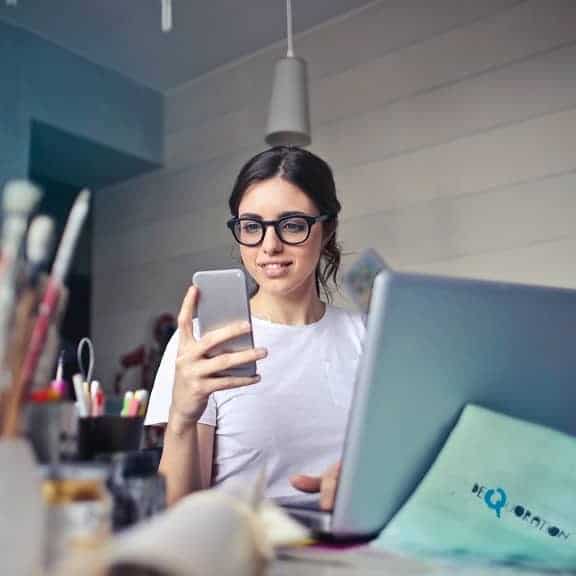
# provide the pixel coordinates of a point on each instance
(434, 344)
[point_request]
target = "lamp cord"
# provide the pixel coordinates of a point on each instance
(166, 7)
(290, 53)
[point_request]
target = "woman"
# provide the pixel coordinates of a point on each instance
(291, 418)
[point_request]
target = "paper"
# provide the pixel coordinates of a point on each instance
(208, 533)
(501, 490)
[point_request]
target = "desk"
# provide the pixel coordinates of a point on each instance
(291, 568)
(357, 562)
(365, 561)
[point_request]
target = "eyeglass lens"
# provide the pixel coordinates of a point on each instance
(291, 230)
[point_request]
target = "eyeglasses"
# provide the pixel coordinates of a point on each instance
(292, 230)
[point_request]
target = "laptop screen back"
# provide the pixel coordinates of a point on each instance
(433, 345)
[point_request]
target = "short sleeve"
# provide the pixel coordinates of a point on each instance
(161, 397)
(209, 416)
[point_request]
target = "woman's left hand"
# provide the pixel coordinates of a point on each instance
(325, 484)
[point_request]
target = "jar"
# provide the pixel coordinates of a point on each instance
(78, 509)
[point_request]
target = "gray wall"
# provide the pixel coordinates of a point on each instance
(451, 126)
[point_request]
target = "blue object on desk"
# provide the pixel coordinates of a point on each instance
(500, 491)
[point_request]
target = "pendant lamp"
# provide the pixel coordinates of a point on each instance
(288, 116)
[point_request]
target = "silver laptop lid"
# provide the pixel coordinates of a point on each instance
(434, 344)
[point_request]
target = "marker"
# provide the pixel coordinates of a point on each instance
(81, 403)
(142, 396)
(59, 385)
(134, 407)
(128, 396)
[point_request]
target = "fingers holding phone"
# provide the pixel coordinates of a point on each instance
(224, 356)
(186, 314)
(211, 367)
(224, 364)
(221, 340)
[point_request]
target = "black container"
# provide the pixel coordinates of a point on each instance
(108, 435)
(52, 429)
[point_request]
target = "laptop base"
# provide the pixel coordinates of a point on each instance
(320, 524)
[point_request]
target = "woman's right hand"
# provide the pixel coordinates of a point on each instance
(195, 377)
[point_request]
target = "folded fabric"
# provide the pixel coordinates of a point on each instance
(501, 490)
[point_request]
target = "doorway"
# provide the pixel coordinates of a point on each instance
(62, 164)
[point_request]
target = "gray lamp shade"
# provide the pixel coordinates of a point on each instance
(288, 117)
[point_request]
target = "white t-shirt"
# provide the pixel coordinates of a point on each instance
(293, 421)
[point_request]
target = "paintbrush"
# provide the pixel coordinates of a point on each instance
(18, 201)
(39, 244)
(38, 247)
(48, 307)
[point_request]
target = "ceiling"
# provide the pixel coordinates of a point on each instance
(125, 35)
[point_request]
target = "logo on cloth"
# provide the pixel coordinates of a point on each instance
(496, 500)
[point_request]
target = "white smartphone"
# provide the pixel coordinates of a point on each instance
(223, 300)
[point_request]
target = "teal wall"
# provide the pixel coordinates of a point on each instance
(13, 133)
(42, 82)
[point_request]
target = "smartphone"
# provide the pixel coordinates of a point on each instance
(223, 300)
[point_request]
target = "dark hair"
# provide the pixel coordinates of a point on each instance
(314, 177)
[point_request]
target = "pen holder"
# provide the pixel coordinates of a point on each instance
(108, 434)
(52, 429)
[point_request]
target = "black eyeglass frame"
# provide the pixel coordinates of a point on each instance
(310, 221)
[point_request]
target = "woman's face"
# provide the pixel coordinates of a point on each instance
(279, 268)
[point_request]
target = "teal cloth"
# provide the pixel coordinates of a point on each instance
(501, 490)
